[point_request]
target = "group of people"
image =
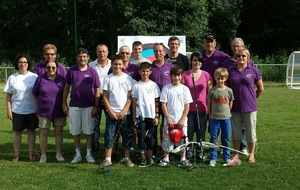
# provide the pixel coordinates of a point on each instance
(136, 95)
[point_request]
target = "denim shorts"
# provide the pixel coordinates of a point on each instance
(125, 128)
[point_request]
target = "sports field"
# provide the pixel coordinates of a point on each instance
(277, 167)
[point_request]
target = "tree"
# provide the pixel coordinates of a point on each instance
(269, 26)
(224, 20)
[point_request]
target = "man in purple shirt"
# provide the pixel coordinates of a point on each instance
(236, 44)
(161, 76)
(212, 58)
(85, 95)
(160, 67)
(128, 68)
(50, 52)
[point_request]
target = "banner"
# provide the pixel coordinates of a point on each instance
(148, 43)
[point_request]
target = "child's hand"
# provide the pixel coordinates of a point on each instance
(155, 121)
(112, 115)
(169, 122)
(180, 123)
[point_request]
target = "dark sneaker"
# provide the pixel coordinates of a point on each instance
(143, 162)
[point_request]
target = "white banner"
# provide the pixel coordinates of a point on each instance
(148, 43)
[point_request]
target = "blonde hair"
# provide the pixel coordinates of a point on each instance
(49, 46)
(221, 71)
(244, 50)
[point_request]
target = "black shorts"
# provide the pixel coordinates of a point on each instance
(24, 121)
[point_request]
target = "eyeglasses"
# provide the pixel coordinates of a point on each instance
(53, 68)
(241, 55)
(50, 54)
(122, 53)
(22, 62)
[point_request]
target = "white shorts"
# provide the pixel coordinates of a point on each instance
(81, 118)
(167, 144)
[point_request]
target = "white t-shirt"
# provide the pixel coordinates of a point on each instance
(118, 87)
(102, 72)
(20, 86)
(145, 93)
(138, 62)
(176, 97)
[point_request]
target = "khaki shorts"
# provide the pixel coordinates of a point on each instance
(45, 122)
(246, 120)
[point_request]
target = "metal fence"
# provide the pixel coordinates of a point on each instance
(270, 72)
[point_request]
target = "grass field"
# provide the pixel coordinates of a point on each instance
(277, 158)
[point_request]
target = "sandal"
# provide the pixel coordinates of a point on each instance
(235, 157)
(251, 160)
(235, 162)
(16, 159)
(31, 156)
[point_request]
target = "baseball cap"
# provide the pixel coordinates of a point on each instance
(82, 50)
(210, 37)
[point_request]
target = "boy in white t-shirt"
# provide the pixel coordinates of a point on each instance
(116, 92)
(175, 102)
(145, 94)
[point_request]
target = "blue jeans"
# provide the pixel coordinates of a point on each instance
(97, 123)
(193, 127)
(126, 131)
(243, 141)
(146, 134)
(215, 126)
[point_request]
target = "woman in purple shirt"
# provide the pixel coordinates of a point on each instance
(48, 90)
(247, 85)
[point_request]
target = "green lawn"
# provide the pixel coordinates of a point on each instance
(277, 158)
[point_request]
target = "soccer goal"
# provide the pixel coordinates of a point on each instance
(293, 71)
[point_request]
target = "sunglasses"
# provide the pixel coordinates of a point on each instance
(241, 56)
(122, 53)
(50, 54)
(53, 68)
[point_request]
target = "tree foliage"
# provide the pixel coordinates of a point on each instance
(28, 25)
(224, 19)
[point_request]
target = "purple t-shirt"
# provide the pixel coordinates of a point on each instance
(161, 75)
(229, 63)
(49, 93)
(132, 70)
(210, 64)
(83, 84)
(200, 89)
(243, 86)
(40, 68)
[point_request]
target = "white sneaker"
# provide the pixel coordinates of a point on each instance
(163, 163)
(90, 159)
(245, 151)
(59, 157)
(43, 159)
(128, 162)
(186, 163)
(76, 159)
(212, 163)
